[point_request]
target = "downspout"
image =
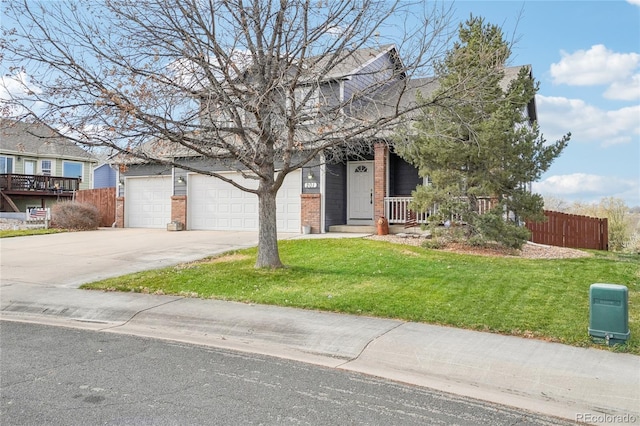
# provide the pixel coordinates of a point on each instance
(386, 183)
(322, 193)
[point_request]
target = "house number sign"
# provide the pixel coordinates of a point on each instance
(309, 185)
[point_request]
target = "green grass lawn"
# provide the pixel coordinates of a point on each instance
(547, 299)
(24, 232)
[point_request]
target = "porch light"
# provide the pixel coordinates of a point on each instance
(180, 180)
(310, 175)
(121, 182)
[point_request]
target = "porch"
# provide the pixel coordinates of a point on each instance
(402, 219)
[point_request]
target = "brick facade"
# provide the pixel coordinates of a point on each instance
(379, 180)
(310, 212)
(179, 209)
(119, 212)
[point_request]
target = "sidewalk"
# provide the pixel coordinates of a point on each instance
(590, 385)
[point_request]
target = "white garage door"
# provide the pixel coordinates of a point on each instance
(147, 202)
(216, 205)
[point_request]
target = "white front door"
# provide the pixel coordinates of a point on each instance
(360, 193)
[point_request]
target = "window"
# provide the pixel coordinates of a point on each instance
(6, 164)
(72, 169)
(307, 100)
(45, 166)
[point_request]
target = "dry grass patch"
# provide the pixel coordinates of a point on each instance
(232, 257)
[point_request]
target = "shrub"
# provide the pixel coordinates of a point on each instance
(434, 244)
(492, 227)
(76, 216)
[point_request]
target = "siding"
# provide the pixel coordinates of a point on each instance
(379, 70)
(104, 177)
(147, 170)
(403, 177)
(335, 195)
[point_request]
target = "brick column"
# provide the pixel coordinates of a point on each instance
(179, 209)
(119, 212)
(379, 179)
(310, 212)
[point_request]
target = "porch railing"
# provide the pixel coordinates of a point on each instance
(28, 183)
(397, 209)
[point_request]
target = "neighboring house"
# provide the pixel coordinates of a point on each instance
(105, 176)
(356, 192)
(39, 168)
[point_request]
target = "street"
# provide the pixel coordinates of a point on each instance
(63, 376)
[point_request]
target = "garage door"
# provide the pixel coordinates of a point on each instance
(147, 202)
(216, 205)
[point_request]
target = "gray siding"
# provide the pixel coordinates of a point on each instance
(147, 170)
(376, 72)
(335, 195)
(403, 177)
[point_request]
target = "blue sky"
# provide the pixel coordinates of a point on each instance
(586, 56)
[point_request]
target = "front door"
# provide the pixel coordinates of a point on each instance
(360, 193)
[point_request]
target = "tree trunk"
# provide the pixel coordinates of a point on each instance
(268, 254)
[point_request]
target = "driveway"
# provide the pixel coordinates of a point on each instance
(74, 258)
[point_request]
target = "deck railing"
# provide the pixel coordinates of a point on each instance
(397, 209)
(39, 183)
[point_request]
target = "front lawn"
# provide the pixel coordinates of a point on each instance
(7, 233)
(547, 299)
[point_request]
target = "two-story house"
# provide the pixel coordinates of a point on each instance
(351, 190)
(39, 168)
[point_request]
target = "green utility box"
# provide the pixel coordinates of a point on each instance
(609, 312)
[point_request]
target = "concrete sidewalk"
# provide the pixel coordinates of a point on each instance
(590, 385)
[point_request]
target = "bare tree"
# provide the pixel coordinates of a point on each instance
(238, 82)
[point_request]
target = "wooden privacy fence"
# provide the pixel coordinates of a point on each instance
(570, 230)
(105, 201)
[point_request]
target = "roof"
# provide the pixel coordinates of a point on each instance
(20, 138)
(349, 62)
(404, 94)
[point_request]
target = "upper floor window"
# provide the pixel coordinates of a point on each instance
(72, 169)
(307, 102)
(6, 164)
(45, 167)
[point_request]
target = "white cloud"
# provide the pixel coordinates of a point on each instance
(588, 187)
(597, 65)
(600, 66)
(627, 90)
(16, 87)
(587, 123)
(636, 2)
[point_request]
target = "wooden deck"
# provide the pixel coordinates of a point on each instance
(36, 186)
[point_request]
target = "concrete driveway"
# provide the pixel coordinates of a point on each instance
(74, 258)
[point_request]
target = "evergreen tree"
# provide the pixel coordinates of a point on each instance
(479, 140)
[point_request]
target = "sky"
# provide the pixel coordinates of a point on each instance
(586, 57)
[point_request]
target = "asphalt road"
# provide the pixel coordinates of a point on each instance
(62, 376)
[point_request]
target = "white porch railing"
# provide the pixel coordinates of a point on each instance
(396, 209)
